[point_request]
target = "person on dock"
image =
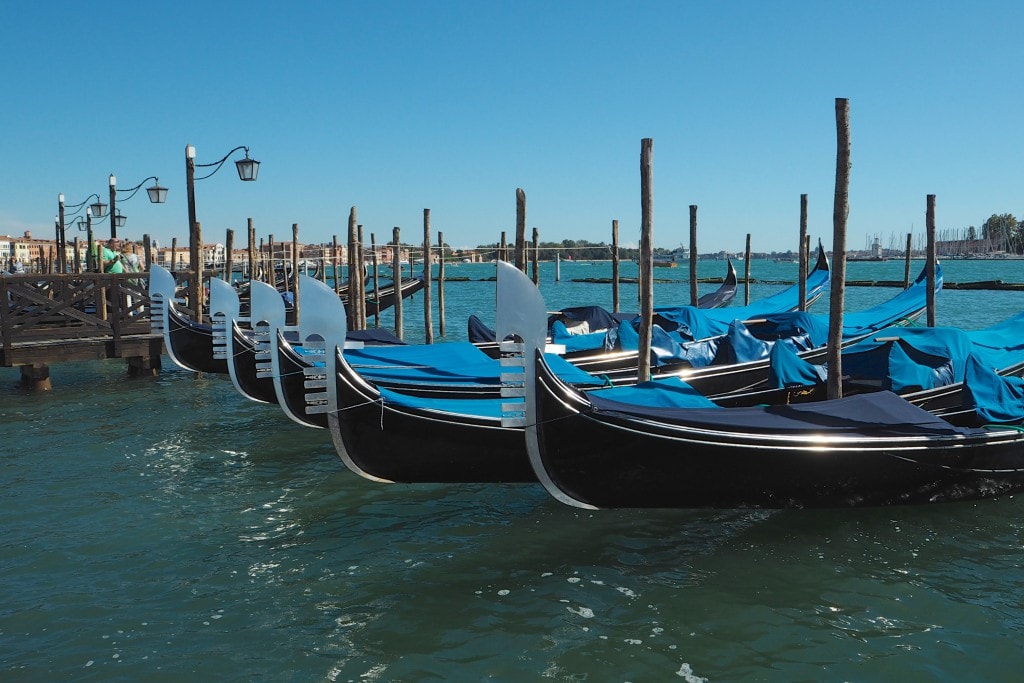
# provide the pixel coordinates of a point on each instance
(110, 256)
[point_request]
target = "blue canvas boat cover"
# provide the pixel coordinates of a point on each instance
(996, 399)
(670, 392)
(877, 414)
(449, 364)
(473, 407)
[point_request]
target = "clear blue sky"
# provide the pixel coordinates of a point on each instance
(394, 107)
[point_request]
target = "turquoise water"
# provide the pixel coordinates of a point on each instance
(167, 529)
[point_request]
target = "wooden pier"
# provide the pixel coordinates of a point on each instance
(54, 318)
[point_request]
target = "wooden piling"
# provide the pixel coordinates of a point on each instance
(746, 273)
(558, 266)
(396, 267)
(840, 215)
(534, 252)
(352, 310)
(147, 253)
(520, 254)
(335, 266)
(440, 284)
(906, 265)
(646, 258)
(693, 255)
(229, 248)
(931, 258)
(361, 274)
(803, 260)
(615, 266)
(251, 248)
(428, 321)
(376, 277)
(295, 269)
(197, 277)
(503, 248)
(36, 377)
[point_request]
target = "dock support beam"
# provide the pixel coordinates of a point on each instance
(36, 377)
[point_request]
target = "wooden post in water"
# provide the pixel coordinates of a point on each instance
(147, 253)
(229, 248)
(534, 255)
(558, 266)
(906, 265)
(746, 273)
(520, 230)
(352, 310)
(376, 278)
(428, 320)
(693, 254)
(295, 268)
(396, 267)
(76, 267)
(440, 283)
(840, 214)
(803, 259)
(197, 266)
(271, 275)
(930, 263)
(503, 248)
(251, 248)
(615, 266)
(335, 265)
(361, 275)
(174, 254)
(646, 258)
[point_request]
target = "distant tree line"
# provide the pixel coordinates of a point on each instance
(578, 250)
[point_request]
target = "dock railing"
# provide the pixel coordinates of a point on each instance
(65, 311)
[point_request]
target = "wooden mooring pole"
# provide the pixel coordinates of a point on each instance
(376, 277)
(440, 284)
(646, 258)
(693, 255)
(615, 266)
(534, 251)
(746, 273)
(295, 269)
(396, 268)
(840, 215)
(520, 254)
(931, 258)
(428, 320)
(802, 268)
(906, 265)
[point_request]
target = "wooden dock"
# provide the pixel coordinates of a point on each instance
(54, 318)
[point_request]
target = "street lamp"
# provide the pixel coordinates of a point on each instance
(97, 208)
(157, 195)
(248, 169)
(87, 226)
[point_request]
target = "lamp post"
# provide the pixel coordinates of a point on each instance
(87, 226)
(97, 208)
(157, 195)
(248, 169)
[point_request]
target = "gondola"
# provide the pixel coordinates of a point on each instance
(597, 318)
(665, 446)
(239, 346)
(188, 344)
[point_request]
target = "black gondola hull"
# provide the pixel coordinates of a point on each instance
(611, 460)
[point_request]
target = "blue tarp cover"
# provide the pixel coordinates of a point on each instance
(666, 393)
(995, 399)
(877, 414)
(476, 407)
